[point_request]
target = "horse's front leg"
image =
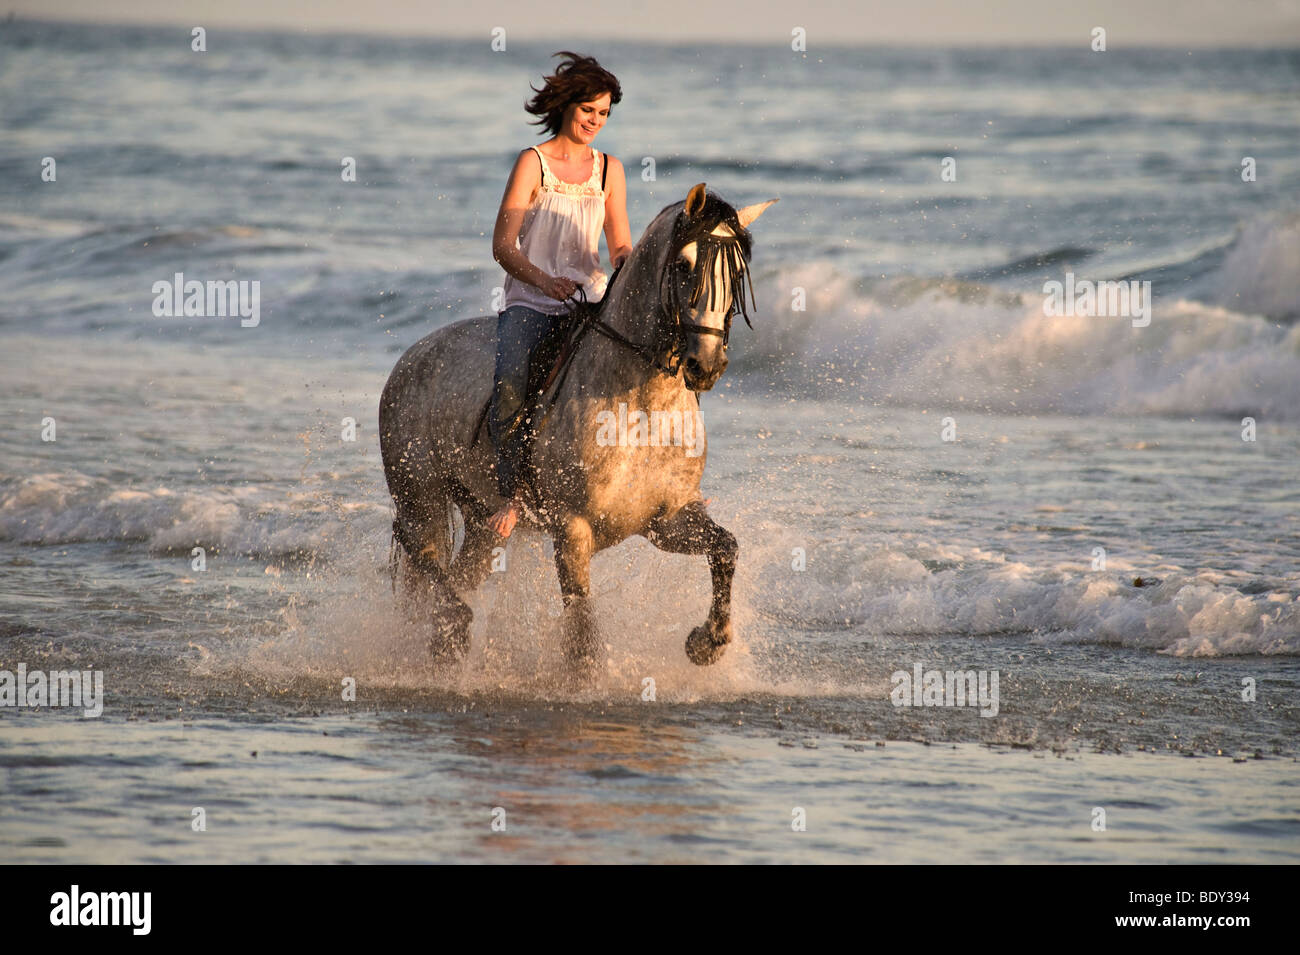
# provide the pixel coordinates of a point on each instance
(692, 531)
(573, 548)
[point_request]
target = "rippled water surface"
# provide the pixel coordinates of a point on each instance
(1097, 532)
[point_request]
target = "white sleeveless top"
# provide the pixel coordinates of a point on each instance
(561, 236)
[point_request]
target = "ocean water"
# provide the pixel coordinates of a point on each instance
(1098, 533)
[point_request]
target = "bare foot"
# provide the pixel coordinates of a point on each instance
(504, 520)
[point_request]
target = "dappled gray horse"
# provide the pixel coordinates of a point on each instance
(620, 446)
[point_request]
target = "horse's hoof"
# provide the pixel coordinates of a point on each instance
(583, 672)
(701, 648)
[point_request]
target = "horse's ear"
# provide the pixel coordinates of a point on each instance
(695, 200)
(750, 213)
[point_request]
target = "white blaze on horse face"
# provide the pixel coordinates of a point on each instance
(707, 349)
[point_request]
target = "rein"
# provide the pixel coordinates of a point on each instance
(586, 316)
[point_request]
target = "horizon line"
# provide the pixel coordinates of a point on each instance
(406, 33)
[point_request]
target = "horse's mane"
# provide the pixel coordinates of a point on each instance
(716, 211)
(699, 228)
(736, 251)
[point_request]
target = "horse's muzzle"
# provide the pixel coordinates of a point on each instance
(699, 377)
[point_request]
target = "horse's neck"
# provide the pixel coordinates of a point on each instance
(609, 367)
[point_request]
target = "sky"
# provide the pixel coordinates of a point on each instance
(912, 22)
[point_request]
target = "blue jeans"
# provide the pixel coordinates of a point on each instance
(520, 330)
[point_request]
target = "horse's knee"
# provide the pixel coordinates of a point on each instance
(450, 639)
(415, 551)
(458, 616)
(725, 546)
(475, 560)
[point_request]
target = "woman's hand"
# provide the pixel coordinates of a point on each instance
(558, 287)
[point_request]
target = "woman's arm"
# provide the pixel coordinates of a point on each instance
(525, 179)
(618, 235)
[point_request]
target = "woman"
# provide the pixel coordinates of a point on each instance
(559, 197)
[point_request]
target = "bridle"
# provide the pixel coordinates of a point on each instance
(670, 328)
(708, 248)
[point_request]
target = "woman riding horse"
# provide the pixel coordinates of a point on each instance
(558, 198)
(656, 339)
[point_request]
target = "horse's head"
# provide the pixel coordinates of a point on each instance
(706, 271)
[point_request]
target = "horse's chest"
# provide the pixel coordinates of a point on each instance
(637, 465)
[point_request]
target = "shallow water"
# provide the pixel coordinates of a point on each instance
(616, 784)
(1098, 533)
(971, 556)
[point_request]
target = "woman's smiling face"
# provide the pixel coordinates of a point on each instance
(584, 120)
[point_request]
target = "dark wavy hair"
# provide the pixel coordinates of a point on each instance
(578, 79)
